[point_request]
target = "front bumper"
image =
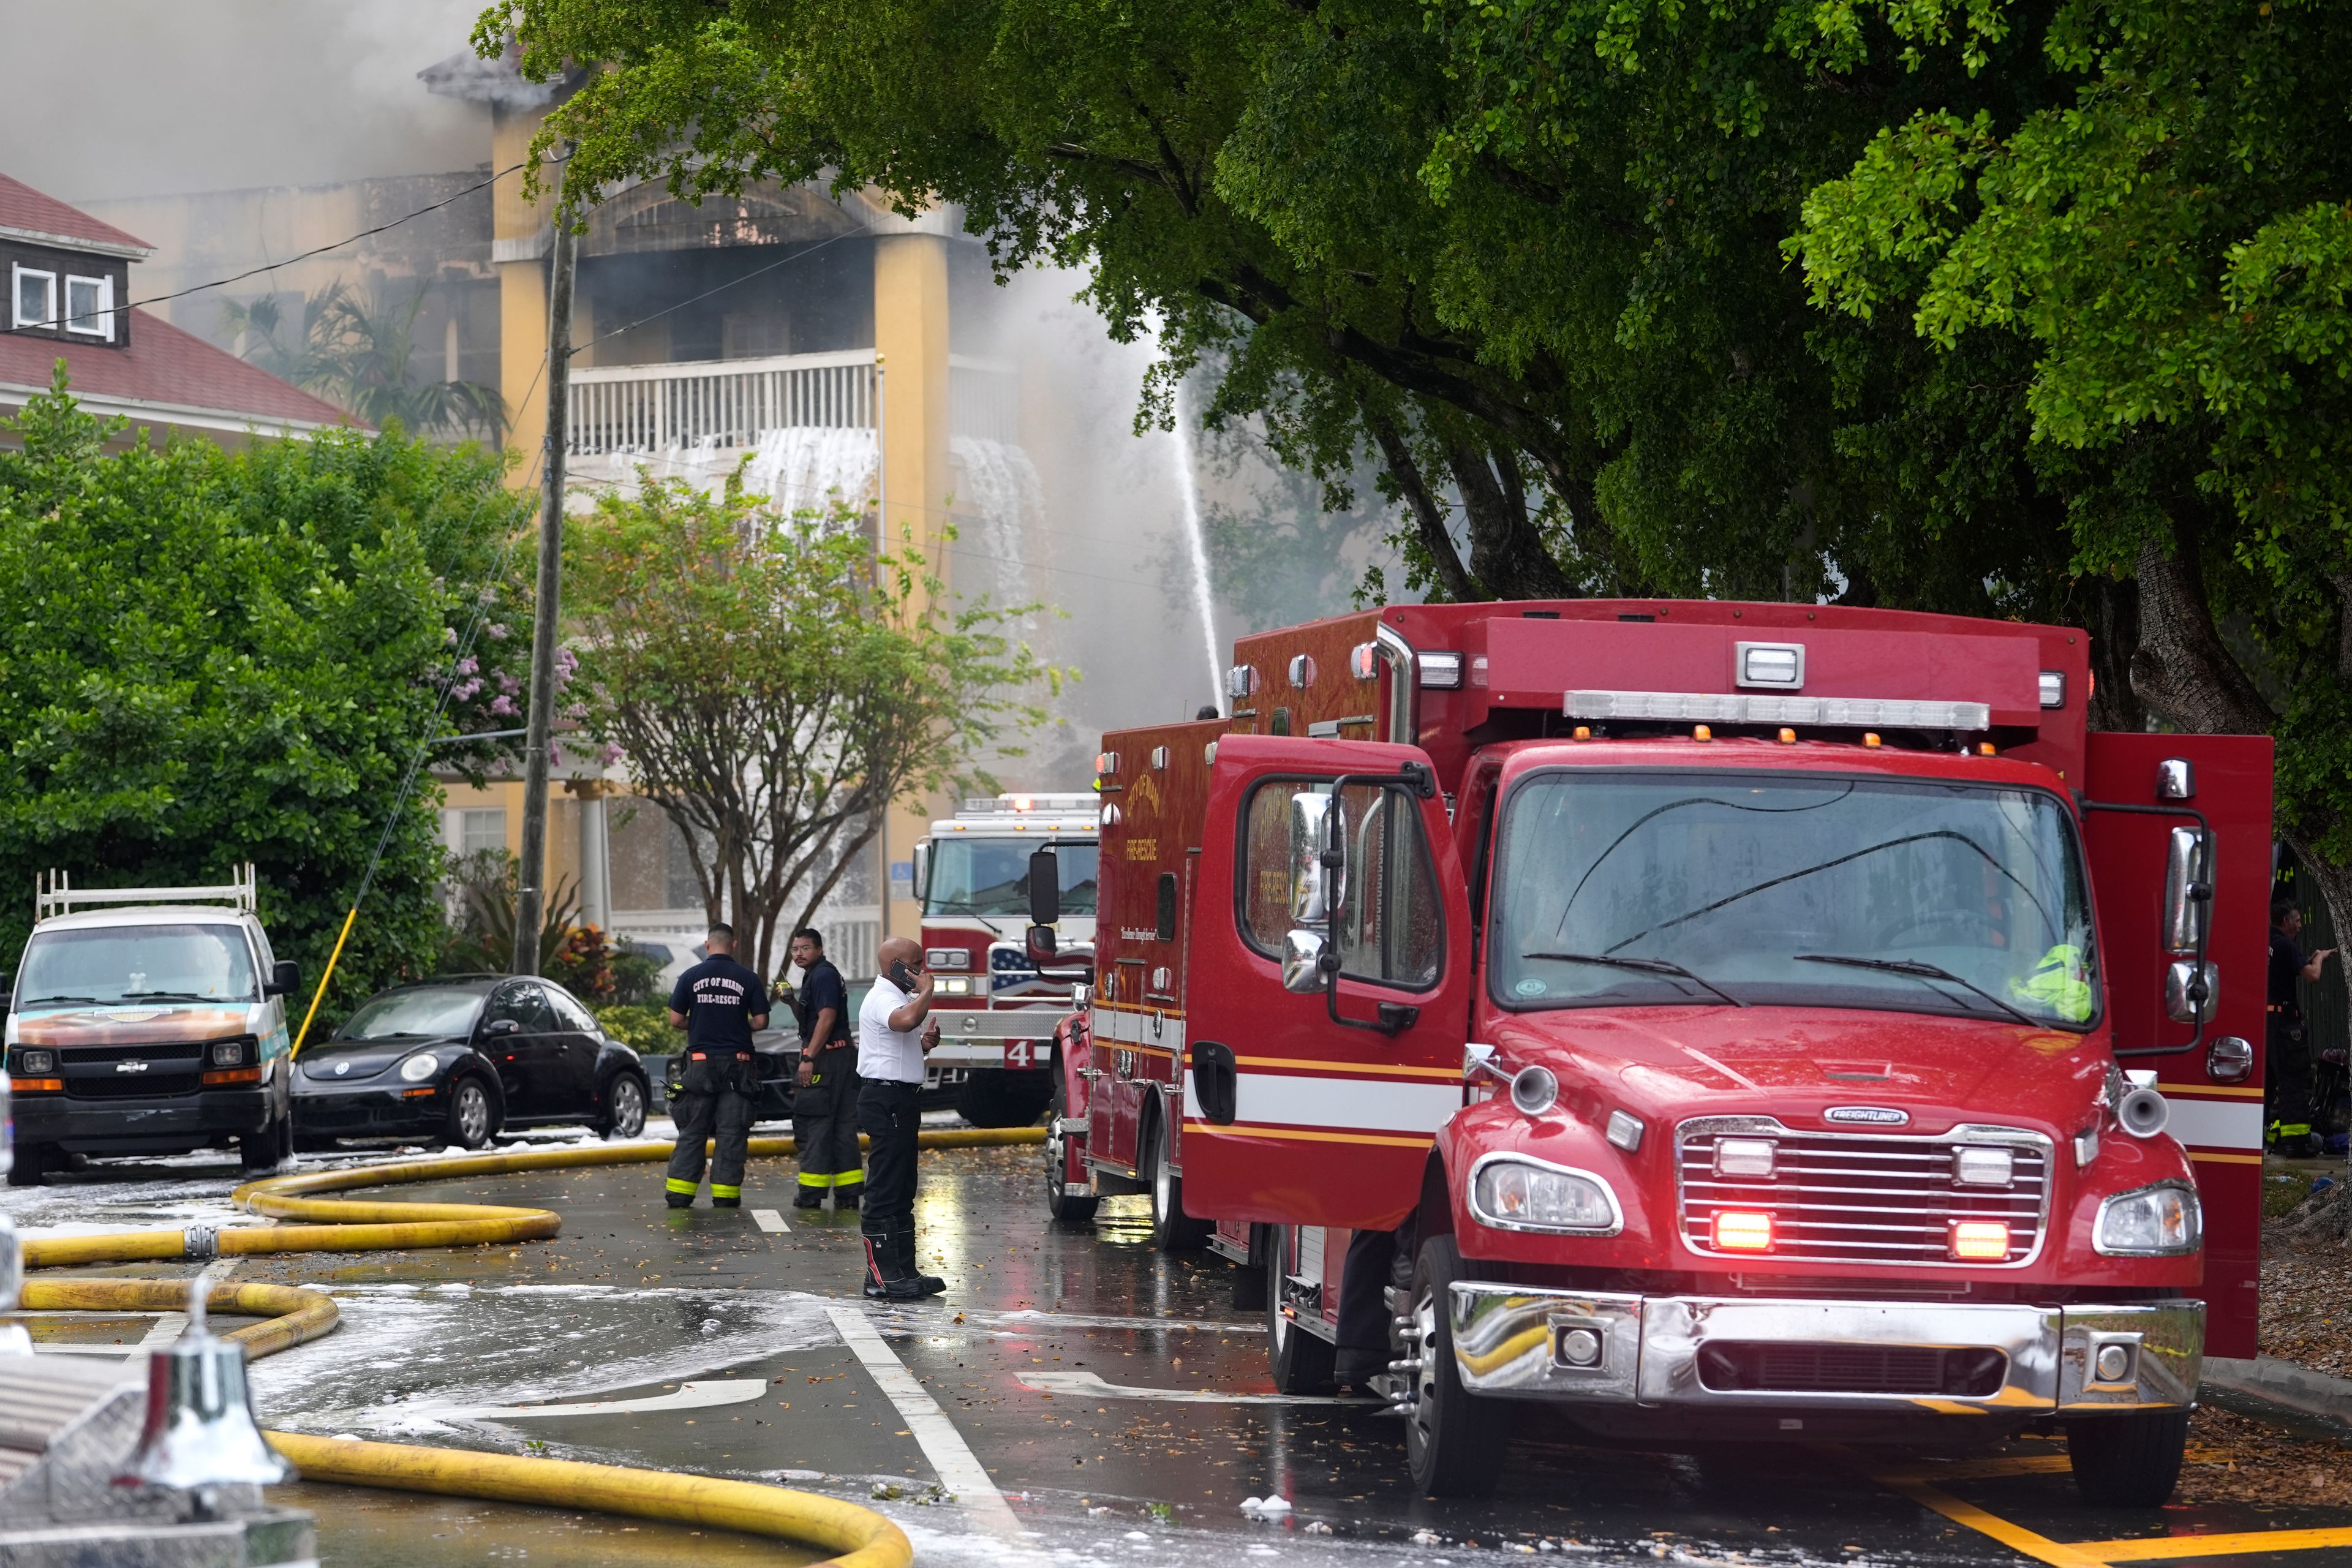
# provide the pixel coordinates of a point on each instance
(140, 1126)
(360, 1112)
(1724, 1354)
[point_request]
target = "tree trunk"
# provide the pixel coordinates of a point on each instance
(1507, 554)
(1453, 581)
(2113, 622)
(2182, 669)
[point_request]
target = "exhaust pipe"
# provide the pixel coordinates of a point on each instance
(2143, 1113)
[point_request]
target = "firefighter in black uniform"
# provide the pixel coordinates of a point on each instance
(2287, 1078)
(718, 1003)
(825, 1107)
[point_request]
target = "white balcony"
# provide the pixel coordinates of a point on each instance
(728, 405)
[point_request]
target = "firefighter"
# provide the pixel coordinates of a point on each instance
(824, 1106)
(894, 1030)
(2286, 1080)
(714, 1002)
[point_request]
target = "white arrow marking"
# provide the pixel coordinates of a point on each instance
(1086, 1385)
(688, 1396)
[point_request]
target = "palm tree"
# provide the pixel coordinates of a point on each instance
(354, 350)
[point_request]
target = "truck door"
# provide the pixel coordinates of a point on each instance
(2216, 1117)
(1319, 1106)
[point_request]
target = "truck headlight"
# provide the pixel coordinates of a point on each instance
(2161, 1221)
(229, 1053)
(1512, 1192)
(419, 1068)
(36, 1064)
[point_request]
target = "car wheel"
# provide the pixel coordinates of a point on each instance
(472, 1118)
(259, 1151)
(1173, 1230)
(2128, 1461)
(1301, 1361)
(32, 1161)
(624, 1115)
(1453, 1441)
(1064, 1206)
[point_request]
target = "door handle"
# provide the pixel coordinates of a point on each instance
(1217, 1081)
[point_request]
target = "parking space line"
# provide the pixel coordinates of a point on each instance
(771, 1221)
(2016, 1537)
(2151, 1549)
(958, 1468)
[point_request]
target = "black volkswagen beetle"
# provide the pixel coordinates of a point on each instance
(460, 1057)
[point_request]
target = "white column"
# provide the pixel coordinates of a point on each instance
(595, 865)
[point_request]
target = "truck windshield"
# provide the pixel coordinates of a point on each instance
(107, 964)
(990, 876)
(1625, 889)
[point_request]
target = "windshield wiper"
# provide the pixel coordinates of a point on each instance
(1641, 966)
(953, 906)
(36, 1001)
(169, 997)
(1918, 969)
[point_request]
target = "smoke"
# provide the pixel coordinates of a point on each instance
(161, 97)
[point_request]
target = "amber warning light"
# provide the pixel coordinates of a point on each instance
(1738, 1231)
(1981, 1241)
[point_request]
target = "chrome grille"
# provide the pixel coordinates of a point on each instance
(1840, 1197)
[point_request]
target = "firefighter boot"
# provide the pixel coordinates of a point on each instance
(925, 1284)
(886, 1279)
(849, 1197)
(810, 1196)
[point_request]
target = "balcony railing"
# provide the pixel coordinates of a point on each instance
(650, 408)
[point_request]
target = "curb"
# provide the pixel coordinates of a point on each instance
(2267, 1386)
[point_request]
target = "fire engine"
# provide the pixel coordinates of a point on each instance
(1738, 1021)
(1002, 983)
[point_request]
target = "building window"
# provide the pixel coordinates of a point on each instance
(34, 296)
(480, 829)
(90, 307)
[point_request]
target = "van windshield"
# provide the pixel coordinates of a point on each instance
(107, 964)
(990, 876)
(1633, 888)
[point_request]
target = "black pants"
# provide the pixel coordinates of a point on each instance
(2286, 1081)
(1364, 1329)
(824, 1128)
(887, 1114)
(712, 1102)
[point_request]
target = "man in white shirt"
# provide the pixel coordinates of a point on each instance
(894, 1030)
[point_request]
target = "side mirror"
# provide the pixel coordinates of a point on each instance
(922, 870)
(502, 1026)
(2190, 990)
(1318, 880)
(1041, 943)
(1044, 890)
(285, 979)
(2187, 892)
(1302, 962)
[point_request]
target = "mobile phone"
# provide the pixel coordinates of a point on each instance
(900, 976)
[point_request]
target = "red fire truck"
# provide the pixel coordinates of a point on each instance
(1742, 1021)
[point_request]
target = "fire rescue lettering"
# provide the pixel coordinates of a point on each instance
(1143, 850)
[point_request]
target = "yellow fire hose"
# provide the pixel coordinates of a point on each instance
(863, 1538)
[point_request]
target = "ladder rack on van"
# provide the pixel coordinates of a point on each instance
(55, 894)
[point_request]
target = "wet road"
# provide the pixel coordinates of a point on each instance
(1075, 1398)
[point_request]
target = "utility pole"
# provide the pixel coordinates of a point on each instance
(530, 899)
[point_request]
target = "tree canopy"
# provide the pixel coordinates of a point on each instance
(773, 687)
(212, 657)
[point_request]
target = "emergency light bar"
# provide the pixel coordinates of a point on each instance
(1829, 712)
(1009, 804)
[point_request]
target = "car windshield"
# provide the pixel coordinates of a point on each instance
(399, 1014)
(1618, 889)
(990, 876)
(106, 964)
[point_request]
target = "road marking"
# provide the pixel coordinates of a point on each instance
(2016, 1537)
(1098, 1320)
(168, 1328)
(1089, 1386)
(772, 1222)
(951, 1458)
(687, 1397)
(2218, 1546)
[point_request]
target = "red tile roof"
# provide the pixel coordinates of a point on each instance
(163, 365)
(28, 210)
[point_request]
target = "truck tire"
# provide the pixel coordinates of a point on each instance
(268, 1147)
(1300, 1362)
(473, 1116)
(625, 1107)
(33, 1161)
(2128, 1461)
(1453, 1441)
(1062, 1206)
(1173, 1230)
(993, 1098)
(1250, 1278)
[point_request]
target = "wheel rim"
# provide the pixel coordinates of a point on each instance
(1163, 1180)
(473, 1114)
(628, 1108)
(1055, 1165)
(1278, 1325)
(1422, 1351)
